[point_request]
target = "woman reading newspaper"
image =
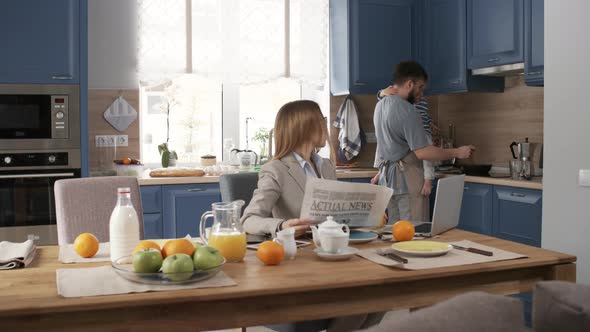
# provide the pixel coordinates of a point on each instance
(300, 131)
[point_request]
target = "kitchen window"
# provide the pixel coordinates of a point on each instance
(224, 68)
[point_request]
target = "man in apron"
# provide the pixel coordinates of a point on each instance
(402, 144)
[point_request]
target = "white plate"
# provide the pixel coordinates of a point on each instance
(344, 255)
(358, 237)
(422, 248)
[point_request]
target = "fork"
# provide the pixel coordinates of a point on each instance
(391, 255)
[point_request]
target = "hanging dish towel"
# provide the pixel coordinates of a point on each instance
(350, 131)
(120, 114)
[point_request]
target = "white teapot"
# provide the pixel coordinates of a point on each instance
(330, 236)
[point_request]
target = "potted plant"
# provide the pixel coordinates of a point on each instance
(261, 137)
(169, 157)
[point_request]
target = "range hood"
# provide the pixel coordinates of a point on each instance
(503, 70)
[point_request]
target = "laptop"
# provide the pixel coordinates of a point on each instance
(447, 207)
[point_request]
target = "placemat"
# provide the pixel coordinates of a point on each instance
(453, 258)
(67, 254)
(103, 280)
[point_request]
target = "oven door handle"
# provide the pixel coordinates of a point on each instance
(46, 175)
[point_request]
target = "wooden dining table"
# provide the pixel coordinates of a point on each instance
(301, 289)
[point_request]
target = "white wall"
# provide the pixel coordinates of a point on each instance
(566, 206)
(112, 44)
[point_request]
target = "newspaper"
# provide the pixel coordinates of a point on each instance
(354, 204)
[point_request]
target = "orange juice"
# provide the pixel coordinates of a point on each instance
(232, 245)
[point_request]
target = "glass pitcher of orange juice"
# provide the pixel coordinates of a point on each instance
(227, 234)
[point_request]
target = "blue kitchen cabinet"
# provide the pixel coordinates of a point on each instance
(494, 32)
(477, 208)
(517, 215)
(534, 56)
(183, 206)
(151, 203)
(367, 39)
(41, 41)
(361, 180)
(443, 50)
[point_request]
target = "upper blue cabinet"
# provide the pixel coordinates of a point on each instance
(367, 39)
(443, 50)
(495, 31)
(534, 58)
(40, 41)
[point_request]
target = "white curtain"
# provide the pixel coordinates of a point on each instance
(240, 41)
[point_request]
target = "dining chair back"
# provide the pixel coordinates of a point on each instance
(85, 206)
(238, 186)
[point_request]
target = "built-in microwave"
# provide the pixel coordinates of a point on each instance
(39, 116)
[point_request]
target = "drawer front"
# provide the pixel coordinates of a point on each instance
(517, 215)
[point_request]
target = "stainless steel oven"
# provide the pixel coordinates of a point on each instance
(39, 116)
(39, 144)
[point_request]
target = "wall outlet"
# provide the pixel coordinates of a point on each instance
(104, 141)
(584, 177)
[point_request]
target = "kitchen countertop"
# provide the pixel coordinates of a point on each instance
(353, 173)
(535, 183)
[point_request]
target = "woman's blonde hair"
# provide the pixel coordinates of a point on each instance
(298, 122)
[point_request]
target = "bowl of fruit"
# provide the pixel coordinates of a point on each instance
(128, 167)
(178, 262)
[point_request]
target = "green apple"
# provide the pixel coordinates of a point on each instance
(178, 267)
(147, 260)
(206, 257)
(196, 245)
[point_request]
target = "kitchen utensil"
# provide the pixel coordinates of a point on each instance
(474, 250)
(227, 234)
(525, 152)
(389, 253)
(476, 169)
(286, 238)
(330, 236)
(160, 278)
(516, 169)
(422, 248)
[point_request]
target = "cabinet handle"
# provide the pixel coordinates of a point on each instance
(359, 83)
(535, 73)
(456, 81)
(493, 59)
(64, 77)
(517, 195)
(196, 189)
(465, 188)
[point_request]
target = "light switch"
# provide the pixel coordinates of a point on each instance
(584, 178)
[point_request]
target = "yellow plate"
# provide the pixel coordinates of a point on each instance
(422, 248)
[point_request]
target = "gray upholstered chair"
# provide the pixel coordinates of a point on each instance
(238, 186)
(561, 306)
(85, 205)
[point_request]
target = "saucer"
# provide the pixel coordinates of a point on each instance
(358, 237)
(344, 255)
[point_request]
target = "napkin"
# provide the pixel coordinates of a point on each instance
(452, 258)
(16, 255)
(103, 280)
(68, 255)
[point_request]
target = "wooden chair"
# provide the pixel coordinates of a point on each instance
(85, 205)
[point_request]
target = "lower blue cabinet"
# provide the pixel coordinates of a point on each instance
(152, 226)
(183, 206)
(476, 209)
(361, 180)
(517, 215)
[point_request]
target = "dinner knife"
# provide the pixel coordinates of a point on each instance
(474, 250)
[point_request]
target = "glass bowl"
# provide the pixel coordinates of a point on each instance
(124, 268)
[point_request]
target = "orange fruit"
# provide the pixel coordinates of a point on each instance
(146, 244)
(126, 161)
(403, 230)
(270, 253)
(86, 245)
(178, 246)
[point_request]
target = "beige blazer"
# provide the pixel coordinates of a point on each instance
(281, 185)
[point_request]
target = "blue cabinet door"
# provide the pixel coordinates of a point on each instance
(534, 56)
(443, 50)
(151, 199)
(383, 33)
(183, 206)
(152, 226)
(40, 41)
(361, 180)
(477, 208)
(517, 215)
(494, 32)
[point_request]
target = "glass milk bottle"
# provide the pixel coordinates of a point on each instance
(123, 226)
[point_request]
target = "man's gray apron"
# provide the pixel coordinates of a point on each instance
(406, 177)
